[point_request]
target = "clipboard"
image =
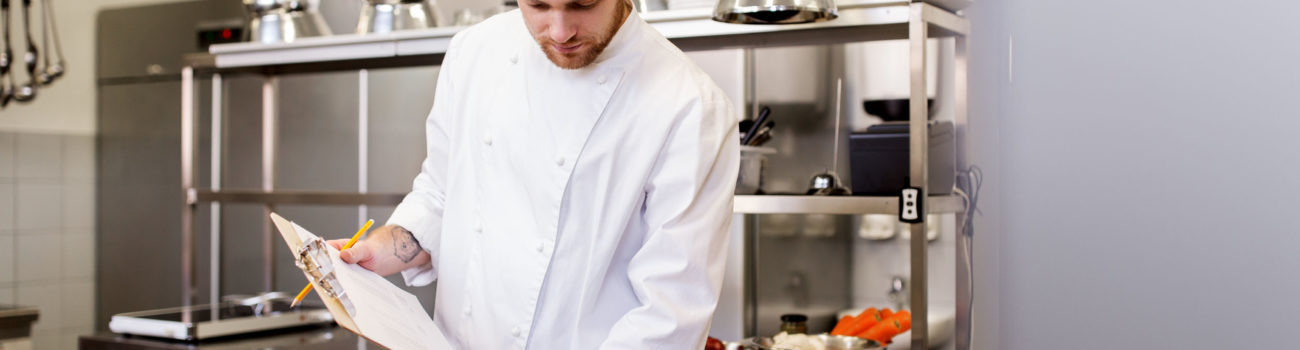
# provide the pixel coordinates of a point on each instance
(360, 301)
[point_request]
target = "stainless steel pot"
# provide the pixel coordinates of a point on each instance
(384, 16)
(274, 21)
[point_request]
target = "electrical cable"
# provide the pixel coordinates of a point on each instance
(974, 181)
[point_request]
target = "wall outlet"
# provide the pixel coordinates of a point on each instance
(909, 205)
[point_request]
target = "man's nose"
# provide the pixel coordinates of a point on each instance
(562, 29)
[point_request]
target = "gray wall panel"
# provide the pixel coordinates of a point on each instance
(400, 100)
(241, 234)
(1148, 162)
(318, 132)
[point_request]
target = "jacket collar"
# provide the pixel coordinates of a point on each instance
(620, 47)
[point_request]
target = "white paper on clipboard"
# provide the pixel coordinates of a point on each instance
(383, 312)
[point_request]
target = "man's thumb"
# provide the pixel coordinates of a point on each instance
(356, 254)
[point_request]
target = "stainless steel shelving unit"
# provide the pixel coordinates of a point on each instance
(691, 30)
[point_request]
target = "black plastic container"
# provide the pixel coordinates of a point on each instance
(896, 109)
(878, 159)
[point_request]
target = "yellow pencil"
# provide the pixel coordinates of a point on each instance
(303, 293)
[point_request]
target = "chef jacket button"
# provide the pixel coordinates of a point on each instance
(600, 80)
(487, 139)
(514, 331)
(478, 228)
(541, 247)
(514, 58)
(559, 161)
(467, 311)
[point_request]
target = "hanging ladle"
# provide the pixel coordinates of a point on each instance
(827, 183)
(43, 79)
(6, 60)
(51, 72)
(27, 92)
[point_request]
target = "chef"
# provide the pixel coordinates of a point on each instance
(577, 188)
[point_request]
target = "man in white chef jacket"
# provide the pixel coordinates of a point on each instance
(577, 190)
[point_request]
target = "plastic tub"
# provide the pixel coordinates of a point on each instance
(753, 160)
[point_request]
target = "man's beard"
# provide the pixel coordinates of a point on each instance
(593, 45)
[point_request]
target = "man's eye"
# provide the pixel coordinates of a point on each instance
(584, 6)
(540, 6)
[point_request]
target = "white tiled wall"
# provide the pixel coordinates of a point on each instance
(47, 225)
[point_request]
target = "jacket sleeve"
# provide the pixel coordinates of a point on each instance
(421, 211)
(677, 273)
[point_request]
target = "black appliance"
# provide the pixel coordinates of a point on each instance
(878, 159)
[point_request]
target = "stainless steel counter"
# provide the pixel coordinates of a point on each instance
(16, 321)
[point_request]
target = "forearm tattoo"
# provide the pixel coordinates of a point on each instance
(404, 245)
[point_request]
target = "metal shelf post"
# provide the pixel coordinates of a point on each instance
(919, 144)
(214, 227)
(270, 126)
(188, 141)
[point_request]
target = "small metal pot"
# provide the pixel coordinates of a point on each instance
(385, 16)
(274, 21)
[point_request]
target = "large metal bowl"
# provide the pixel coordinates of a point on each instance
(833, 342)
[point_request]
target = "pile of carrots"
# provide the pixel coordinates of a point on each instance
(878, 325)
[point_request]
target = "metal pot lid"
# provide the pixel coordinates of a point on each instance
(775, 11)
(263, 6)
(391, 2)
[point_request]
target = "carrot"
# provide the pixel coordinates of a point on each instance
(884, 315)
(885, 331)
(865, 321)
(849, 323)
(864, 313)
(844, 323)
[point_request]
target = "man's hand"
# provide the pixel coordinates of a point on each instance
(387, 250)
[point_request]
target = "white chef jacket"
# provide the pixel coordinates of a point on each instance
(573, 209)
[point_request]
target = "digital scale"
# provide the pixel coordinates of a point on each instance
(233, 317)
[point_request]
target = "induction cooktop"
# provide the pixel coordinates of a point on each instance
(205, 321)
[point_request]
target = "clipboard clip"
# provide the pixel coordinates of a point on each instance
(314, 259)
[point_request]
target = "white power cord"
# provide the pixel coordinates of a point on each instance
(974, 180)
